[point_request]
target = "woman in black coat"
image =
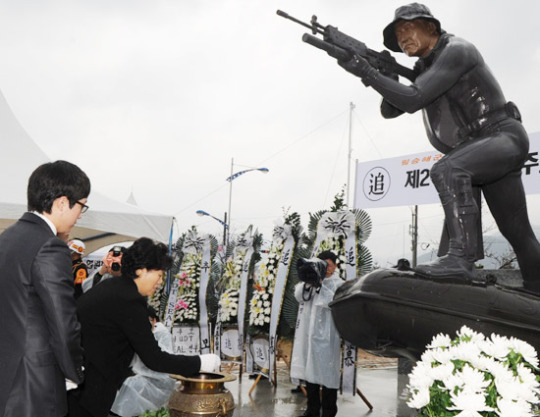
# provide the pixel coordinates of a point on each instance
(114, 324)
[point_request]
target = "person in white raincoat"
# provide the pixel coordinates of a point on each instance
(316, 355)
(147, 389)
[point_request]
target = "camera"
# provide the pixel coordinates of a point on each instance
(311, 271)
(116, 252)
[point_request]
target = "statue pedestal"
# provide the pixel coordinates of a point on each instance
(397, 313)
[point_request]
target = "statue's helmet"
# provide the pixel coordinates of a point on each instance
(408, 12)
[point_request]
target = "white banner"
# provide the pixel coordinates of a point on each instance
(348, 380)
(93, 262)
(217, 335)
(220, 259)
(243, 251)
(243, 298)
(229, 344)
(203, 285)
(259, 353)
(300, 328)
(405, 181)
(171, 303)
(185, 340)
(277, 299)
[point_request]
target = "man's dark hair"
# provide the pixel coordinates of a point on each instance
(53, 180)
(145, 253)
(152, 313)
(328, 254)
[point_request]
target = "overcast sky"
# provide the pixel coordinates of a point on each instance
(156, 97)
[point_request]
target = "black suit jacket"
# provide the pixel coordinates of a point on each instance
(115, 325)
(39, 332)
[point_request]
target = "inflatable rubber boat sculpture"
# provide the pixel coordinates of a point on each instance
(396, 312)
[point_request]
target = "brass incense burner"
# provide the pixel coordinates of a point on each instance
(203, 395)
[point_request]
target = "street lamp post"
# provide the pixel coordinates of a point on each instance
(230, 179)
(222, 222)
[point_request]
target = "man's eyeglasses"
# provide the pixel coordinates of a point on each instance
(84, 207)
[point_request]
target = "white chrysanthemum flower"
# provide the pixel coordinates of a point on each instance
(443, 371)
(525, 349)
(469, 401)
(530, 386)
(465, 351)
(487, 370)
(419, 398)
(427, 357)
(484, 363)
(467, 333)
(439, 341)
(509, 388)
(442, 355)
(474, 380)
(421, 377)
(499, 370)
(511, 408)
(453, 381)
(497, 346)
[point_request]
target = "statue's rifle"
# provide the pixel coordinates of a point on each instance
(343, 47)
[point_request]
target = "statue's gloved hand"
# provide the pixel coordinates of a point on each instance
(386, 71)
(359, 67)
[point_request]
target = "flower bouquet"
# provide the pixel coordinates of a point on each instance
(475, 376)
(228, 301)
(260, 306)
(187, 301)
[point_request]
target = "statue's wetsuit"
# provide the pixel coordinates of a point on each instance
(467, 118)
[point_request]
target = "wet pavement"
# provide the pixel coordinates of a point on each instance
(384, 388)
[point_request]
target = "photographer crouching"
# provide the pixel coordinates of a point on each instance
(316, 357)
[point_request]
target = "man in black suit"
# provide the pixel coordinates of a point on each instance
(39, 332)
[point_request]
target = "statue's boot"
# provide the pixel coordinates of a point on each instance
(447, 266)
(461, 220)
(532, 286)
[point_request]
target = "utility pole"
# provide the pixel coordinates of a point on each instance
(414, 234)
(351, 108)
(225, 227)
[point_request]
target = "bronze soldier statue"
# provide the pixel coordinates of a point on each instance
(468, 119)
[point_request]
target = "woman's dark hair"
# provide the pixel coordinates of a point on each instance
(53, 180)
(145, 253)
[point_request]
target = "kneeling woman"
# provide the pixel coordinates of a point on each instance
(114, 326)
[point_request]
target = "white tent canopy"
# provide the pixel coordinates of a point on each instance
(107, 221)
